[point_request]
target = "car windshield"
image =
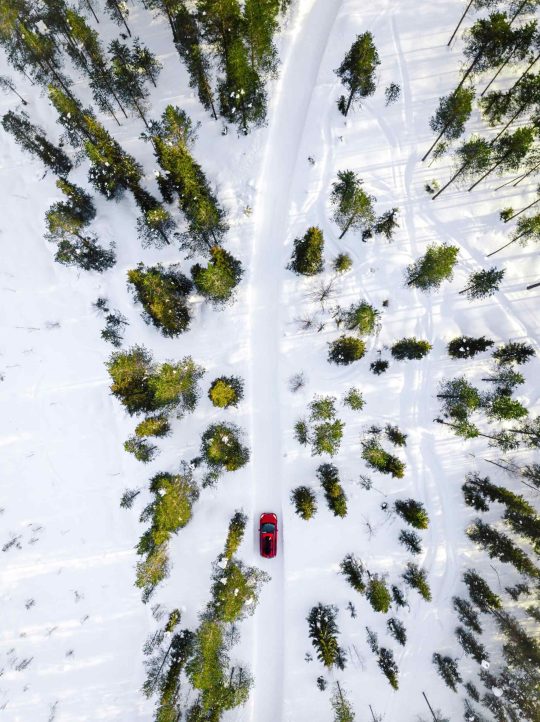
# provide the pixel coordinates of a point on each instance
(268, 528)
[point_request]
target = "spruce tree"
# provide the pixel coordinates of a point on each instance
(345, 350)
(416, 578)
(410, 348)
(411, 541)
(237, 527)
(500, 546)
(305, 502)
(361, 317)
(217, 281)
(459, 398)
(343, 711)
(378, 595)
(226, 391)
(467, 614)
(357, 71)
(323, 633)
(450, 117)
(388, 666)
(483, 284)
(33, 139)
(509, 151)
(307, 256)
(448, 670)
(473, 156)
(336, 498)
(514, 352)
(386, 224)
(354, 572)
(413, 512)
(471, 645)
(397, 630)
(222, 449)
(353, 207)
(468, 346)
(118, 12)
(527, 229)
(434, 267)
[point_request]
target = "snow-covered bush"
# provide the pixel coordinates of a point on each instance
(226, 391)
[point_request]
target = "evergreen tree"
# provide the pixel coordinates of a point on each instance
(260, 25)
(155, 222)
(459, 398)
(142, 450)
(388, 666)
(385, 224)
(343, 711)
(171, 507)
(378, 594)
(450, 117)
(416, 579)
(471, 645)
(474, 156)
(361, 317)
(341, 263)
(395, 436)
(413, 512)
(323, 633)
(397, 630)
(513, 352)
(128, 78)
(307, 256)
(505, 380)
(217, 281)
(33, 139)
(377, 458)
(434, 267)
(357, 71)
(226, 391)
(7, 84)
(527, 229)
(118, 12)
(237, 527)
(353, 207)
(304, 501)
(157, 425)
(162, 294)
(483, 284)
(411, 541)
(501, 547)
(222, 449)
(508, 152)
(152, 571)
(448, 670)
(467, 614)
(354, 399)
(354, 572)
(336, 499)
(501, 407)
(345, 350)
(235, 591)
(392, 93)
(468, 346)
(411, 349)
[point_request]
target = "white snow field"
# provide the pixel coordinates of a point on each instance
(72, 624)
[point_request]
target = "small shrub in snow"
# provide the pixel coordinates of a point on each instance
(115, 324)
(397, 630)
(378, 595)
(468, 346)
(141, 449)
(386, 224)
(152, 570)
(323, 408)
(379, 366)
(372, 640)
(416, 578)
(307, 257)
(388, 666)
(226, 391)
(398, 597)
(392, 93)
(395, 436)
(237, 527)
(296, 382)
(304, 501)
(413, 512)
(342, 262)
(448, 670)
(362, 318)
(128, 497)
(353, 570)
(326, 437)
(345, 350)
(377, 458)
(513, 352)
(411, 541)
(410, 348)
(354, 399)
(222, 449)
(323, 633)
(162, 293)
(434, 267)
(321, 683)
(301, 432)
(153, 426)
(335, 496)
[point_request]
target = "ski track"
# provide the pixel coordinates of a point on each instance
(288, 117)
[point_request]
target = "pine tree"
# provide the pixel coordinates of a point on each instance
(7, 84)
(410, 348)
(345, 350)
(395, 436)
(501, 547)
(378, 595)
(118, 12)
(237, 527)
(471, 645)
(474, 156)
(336, 499)
(235, 591)
(217, 281)
(413, 512)
(343, 711)
(307, 256)
(386, 224)
(468, 346)
(377, 458)
(467, 614)
(353, 207)
(128, 78)
(361, 317)
(513, 352)
(411, 541)
(323, 633)
(501, 407)
(397, 630)
(434, 267)
(226, 391)
(509, 151)
(162, 293)
(33, 139)
(357, 71)
(448, 670)
(304, 501)
(483, 284)
(450, 117)
(221, 448)
(388, 666)
(459, 398)
(527, 229)
(416, 578)
(259, 26)
(354, 572)
(141, 449)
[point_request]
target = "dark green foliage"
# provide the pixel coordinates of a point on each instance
(157, 426)
(335, 496)
(343, 711)
(379, 366)
(372, 640)
(235, 591)
(323, 633)
(345, 350)
(353, 207)
(395, 436)
(502, 407)
(357, 71)
(483, 284)
(326, 437)
(226, 391)
(386, 224)
(397, 630)
(377, 458)
(505, 379)
(217, 281)
(501, 547)
(362, 318)
(513, 352)
(392, 93)
(155, 223)
(321, 683)
(162, 293)
(398, 597)
(459, 398)
(417, 579)
(378, 594)
(85, 253)
(413, 512)
(115, 324)
(222, 449)
(448, 670)
(237, 527)
(128, 497)
(323, 408)
(354, 399)
(307, 256)
(128, 79)
(388, 666)
(301, 432)
(342, 262)
(472, 691)
(304, 501)
(354, 572)
(141, 449)
(434, 267)
(33, 139)
(480, 592)
(468, 346)
(531, 472)
(410, 348)
(453, 112)
(471, 645)
(411, 541)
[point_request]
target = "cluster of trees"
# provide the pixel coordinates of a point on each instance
(376, 457)
(385, 659)
(201, 658)
(335, 496)
(373, 586)
(323, 431)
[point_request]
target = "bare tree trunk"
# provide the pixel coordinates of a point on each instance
(488, 172)
(462, 18)
(499, 71)
(89, 6)
(533, 285)
(505, 245)
(452, 179)
(430, 707)
(516, 114)
(515, 215)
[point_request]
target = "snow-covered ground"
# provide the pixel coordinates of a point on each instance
(66, 583)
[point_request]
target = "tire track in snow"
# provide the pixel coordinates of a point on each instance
(288, 116)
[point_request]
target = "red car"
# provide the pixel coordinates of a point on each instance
(268, 533)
